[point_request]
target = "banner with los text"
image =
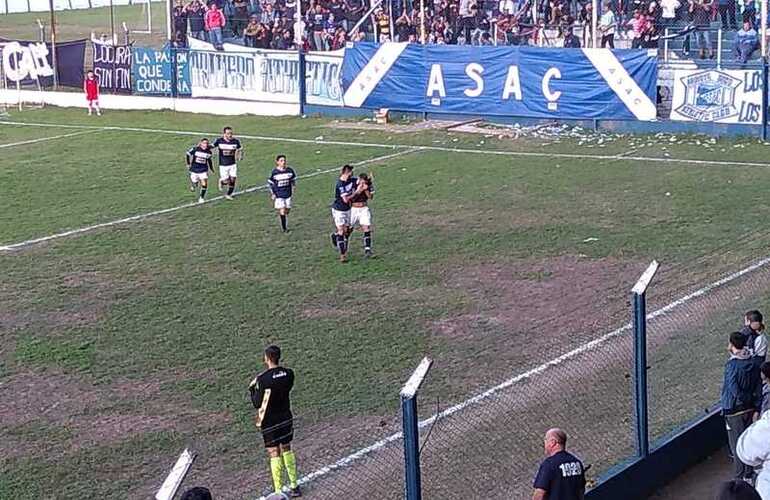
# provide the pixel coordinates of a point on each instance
(239, 72)
(112, 66)
(27, 63)
(720, 96)
(513, 81)
(152, 72)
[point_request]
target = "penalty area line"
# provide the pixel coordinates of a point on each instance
(138, 217)
(480, 397)
(43, 139)
(523, 154)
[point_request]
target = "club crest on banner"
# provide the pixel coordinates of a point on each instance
(26, 61)
(709, 96)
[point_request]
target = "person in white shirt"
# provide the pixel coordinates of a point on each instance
(668, 14)
(607, 26)
(753, 449)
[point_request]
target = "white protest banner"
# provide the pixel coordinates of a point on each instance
(720, 96)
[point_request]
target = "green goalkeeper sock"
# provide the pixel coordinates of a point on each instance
(291, 467)
(276, 468)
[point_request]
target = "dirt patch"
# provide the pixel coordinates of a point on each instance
(93, 415)
(322, 312)
(83, 298)
(527, 296)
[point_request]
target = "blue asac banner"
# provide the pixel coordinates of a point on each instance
(152, 72)
(512, 81)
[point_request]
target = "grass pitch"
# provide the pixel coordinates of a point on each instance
(122, 345)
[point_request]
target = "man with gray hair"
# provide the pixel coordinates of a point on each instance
(561, 475)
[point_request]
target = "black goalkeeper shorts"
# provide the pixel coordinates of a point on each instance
(278, 434)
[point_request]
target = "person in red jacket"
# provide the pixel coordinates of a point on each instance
(91, 88)
(215, 21)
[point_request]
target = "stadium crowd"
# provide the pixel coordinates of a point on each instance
(329, 24)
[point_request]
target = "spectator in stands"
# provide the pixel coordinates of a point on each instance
(753, 449)
(240, 17)
(215, 21)
(285, 41)
(741, 396)
(700, 10)
(179, 41)
(668, 12)
(765, 370)
(251, 31)
(179, 16)
(607, 26)
(737, 490)
(727, 13)
(586, 21)
(753, 326)
(196, 13)
(197, 493)
(639, 26)
(561, 475)
(403, 27)
(340, 39)
(570, 40)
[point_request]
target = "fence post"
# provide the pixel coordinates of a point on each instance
(411, 430)
(302, 83)
(764, 99)
(763, 28)
(640, 358)
(719, 48)
(594, 23)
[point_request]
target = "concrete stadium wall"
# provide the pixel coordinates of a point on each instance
(129, 102)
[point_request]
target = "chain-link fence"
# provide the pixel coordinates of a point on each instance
(490, 445)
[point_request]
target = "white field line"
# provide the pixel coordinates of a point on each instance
(42, 139)
(531, 154)
(86, 229)
(588, 346)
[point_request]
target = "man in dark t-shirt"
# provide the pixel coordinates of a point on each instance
(270, 395)
(561, 475)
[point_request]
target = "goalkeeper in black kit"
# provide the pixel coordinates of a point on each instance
(270, 395)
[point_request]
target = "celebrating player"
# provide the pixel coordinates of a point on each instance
(360, 215)
(344, 191)
(91, 88)
(282, 182)
(270, 395)
(199, 163)
(230, 153)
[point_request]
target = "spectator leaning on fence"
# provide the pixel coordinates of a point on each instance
(741, 396)
(753, 449)
(215, 21)
(561, 475)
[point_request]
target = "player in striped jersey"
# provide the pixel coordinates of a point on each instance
(282, 182)
(230, 153)
(199, 163)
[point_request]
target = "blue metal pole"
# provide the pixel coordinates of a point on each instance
(764, 100)
(411, 448)
(640, 374)
(302, 82)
